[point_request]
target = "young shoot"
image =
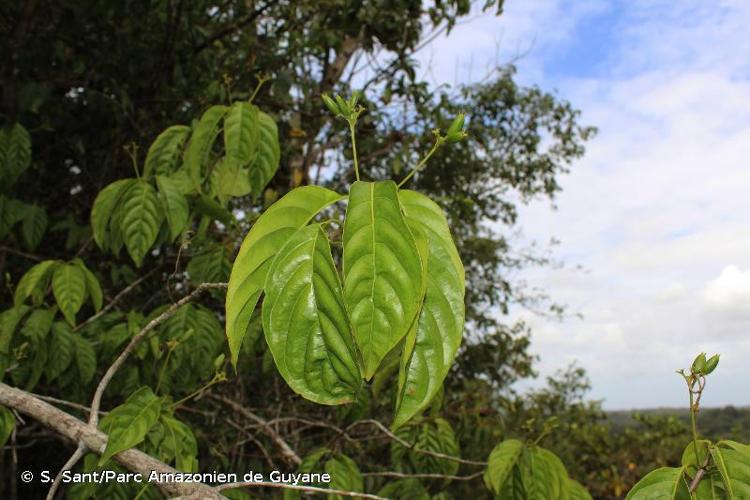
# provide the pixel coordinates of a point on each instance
(349, 111)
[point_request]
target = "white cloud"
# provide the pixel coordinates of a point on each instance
(657, 211)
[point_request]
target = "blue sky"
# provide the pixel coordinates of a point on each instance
(658, 212)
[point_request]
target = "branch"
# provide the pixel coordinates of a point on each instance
(105, 380)
(233, 27)
(308, 489)
(424, 476)
(95, 441)
(287, 452)
(115, 300)
(410, 446)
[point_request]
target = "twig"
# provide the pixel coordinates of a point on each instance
(115, 300)
(72, 461)
(309, 489)
(105, 380)
(286, 451)
(410, 446)
(424, 476)
(699, 475)
(29, 256)
(62, 402)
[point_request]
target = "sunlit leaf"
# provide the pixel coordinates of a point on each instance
(164, 154)
(305, 322)
(129, 423)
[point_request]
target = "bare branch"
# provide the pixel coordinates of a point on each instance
(424, 476)
(104, 382)
(406, 444)
(95, 441)
(308, 489)
(286, 451)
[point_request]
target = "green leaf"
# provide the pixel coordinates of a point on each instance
(241, 132)
(201, 143)
(34, 282)
(61, 350)
(436, 436)
(11, 211)
(501, 462)
(9, 320)
(33, 226)
(733, 463)
(7, 424)
(440, 324)
(104, 208)
(175, 205)
(305, 322)
(662, 483)
(267, 158)
(179, 444)
(404, 489)
(142, 215)
(129, 423)
(382, 271)
(69, 288)
(269, 233)
(210, 265)
(546, 476)
(344, 474)
(164, 154)
(15, 154)
(85, 359)
(93, 288)
(229, 179)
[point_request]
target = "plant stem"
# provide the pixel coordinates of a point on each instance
(261, 80)
(213, 381)
(694, 427)
(354, 148)
(438, 143)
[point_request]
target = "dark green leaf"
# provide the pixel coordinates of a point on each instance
(69, 288)
(103, 210)
(141, 218)
(129, 423)
(33, 226)
(34, 282)
(85, 358)
(7, 424)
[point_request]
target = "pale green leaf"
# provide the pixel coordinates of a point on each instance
(241, 132)
(174, 203)
(229, 179)
(501, 462)
(269, 233)
(142, 215)
(34, 283)
(439, 327)
(69, 288)
(382, 271)
(104, 208)
(666, 483)
(164, 154)
(129, 423)
(33, 226)
(267, 158)
(201, 143)
(305, 322)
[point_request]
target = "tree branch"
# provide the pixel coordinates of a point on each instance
(95, 441)
(105, 380)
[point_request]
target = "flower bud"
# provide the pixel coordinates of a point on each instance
(455, 132)
(330, 104)
(699, 364)
(711, 364)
